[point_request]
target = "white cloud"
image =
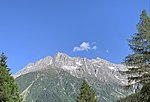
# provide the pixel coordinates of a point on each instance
(85, 46)
(94, 47)
(107, 51)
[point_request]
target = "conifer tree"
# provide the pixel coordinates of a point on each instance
(8, 88)
(145, 93)
(142, 96)
(87, 94)
(139, 62)
(3, 61)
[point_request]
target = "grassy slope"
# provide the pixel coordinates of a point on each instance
(59, 86)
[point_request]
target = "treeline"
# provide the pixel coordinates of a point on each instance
(9, 89)
(138, 71)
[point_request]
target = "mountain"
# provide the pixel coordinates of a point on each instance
(59, 78)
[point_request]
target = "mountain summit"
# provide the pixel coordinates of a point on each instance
(58, 79)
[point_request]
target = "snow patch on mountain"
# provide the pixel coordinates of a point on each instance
(78, 63)
(112, 68)
(70, 67)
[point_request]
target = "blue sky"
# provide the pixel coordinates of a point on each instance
(33, 29)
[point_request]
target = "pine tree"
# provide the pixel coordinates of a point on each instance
(145, 93)
(87, 94)
(139, 62)
(8, 88)
(141, 96)
(3, 59)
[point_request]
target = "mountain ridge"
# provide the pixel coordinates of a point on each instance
(48, 60)
(60, 77)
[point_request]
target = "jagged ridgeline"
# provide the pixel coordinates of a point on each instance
(59, 79)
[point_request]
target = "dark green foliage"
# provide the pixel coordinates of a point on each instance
(145, 93)
(142, 96)
(87, 94)
(8, 88)
(3, 61)
(139, 61)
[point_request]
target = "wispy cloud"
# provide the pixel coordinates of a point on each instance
(85, 46)
(94, 47)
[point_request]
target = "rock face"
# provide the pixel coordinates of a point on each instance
(59, 79)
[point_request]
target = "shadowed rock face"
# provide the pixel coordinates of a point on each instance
(58, 79)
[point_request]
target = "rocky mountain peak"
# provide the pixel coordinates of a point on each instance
(63, 70)
(60, 57)
(47, 60)
(76, 66)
